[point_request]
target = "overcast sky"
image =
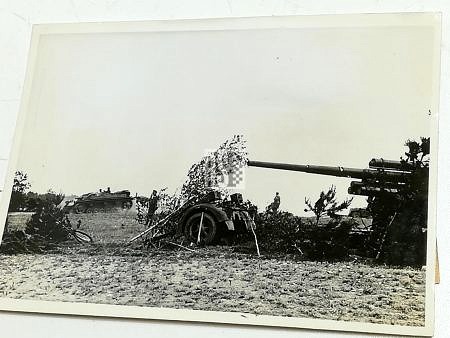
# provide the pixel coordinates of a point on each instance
(135, 110)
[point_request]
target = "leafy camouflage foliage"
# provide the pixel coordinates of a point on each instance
(17, 241)
(214, 168)
(18, 195)
(325, 238)
(207, 174)
(24, 200)
(141, 209)
(278, 233)
(46, 224)
(49, 218)
(35, 201)
(400, 220)
(326, 204)
(285, 233)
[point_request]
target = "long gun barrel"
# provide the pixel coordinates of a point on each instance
(377, 174)
(382, 176)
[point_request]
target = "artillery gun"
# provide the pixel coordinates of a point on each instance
(204, 219)
(382, 176)
(397, 202)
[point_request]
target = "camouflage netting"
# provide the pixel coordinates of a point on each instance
(213, 171)
(217, 169)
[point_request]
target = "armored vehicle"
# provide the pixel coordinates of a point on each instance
(101, 201)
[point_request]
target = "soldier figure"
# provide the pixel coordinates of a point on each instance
(276, 203)
(152, 206)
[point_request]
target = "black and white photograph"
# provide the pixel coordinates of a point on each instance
(275, 171)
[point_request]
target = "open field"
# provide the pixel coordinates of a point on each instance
(107, 227)
(212, 278)
(18, 220)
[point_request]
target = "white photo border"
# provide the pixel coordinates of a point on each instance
(310, 21)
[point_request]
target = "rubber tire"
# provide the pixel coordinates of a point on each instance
(80, 208)
(127, 205)
(82, 237)
(208, 236)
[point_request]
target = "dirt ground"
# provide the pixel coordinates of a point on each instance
(213, 278)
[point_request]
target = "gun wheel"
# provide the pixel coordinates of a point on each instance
(127, 205)
(208, 233)
(80, 208)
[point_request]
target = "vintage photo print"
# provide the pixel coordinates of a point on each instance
(264, 171)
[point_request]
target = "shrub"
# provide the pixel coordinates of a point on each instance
(43, 230)
(326, 204)
(323, 238)
(285, 233)
(34, 201)
(278, 233)
(18, 195)
(328, 242)
(48, 220)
